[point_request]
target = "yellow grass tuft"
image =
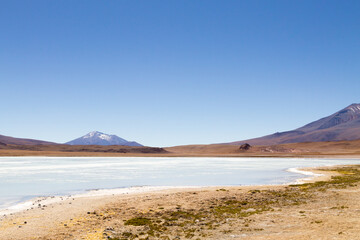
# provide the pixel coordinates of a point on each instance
(96, 235)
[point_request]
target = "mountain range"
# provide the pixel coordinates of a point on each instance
(342, 125)
(99, 138)
(92, 138)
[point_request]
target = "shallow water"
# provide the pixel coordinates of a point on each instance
(22, 178)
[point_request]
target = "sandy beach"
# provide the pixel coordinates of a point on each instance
(322, 208)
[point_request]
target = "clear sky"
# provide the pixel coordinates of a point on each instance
(167, 73)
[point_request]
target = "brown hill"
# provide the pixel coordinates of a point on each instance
(77, 150)
(22, 141)
(340, 126)
(313, 149)
(306, 149)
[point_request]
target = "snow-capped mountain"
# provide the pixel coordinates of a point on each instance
(99, 138)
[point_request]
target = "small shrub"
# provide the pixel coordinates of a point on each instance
(138, 221)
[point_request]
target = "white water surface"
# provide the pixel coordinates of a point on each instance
(25, 178)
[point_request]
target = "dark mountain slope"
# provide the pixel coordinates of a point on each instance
(22, 141)
(342, 125)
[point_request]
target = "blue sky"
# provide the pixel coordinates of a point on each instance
(167, 73)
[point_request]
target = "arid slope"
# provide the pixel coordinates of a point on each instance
(4, 140)
(346, 148)
(308, 149)
(343, 125)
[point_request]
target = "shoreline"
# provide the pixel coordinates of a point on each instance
(46, 200)
(173, 155)
(53, 199)
(96, 216)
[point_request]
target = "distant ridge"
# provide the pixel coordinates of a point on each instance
(99, 138)
(342, 125)
(22, 141)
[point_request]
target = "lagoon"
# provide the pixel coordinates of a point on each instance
(24, 178)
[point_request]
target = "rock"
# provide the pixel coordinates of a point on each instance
(250, 210)
(245, 147)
